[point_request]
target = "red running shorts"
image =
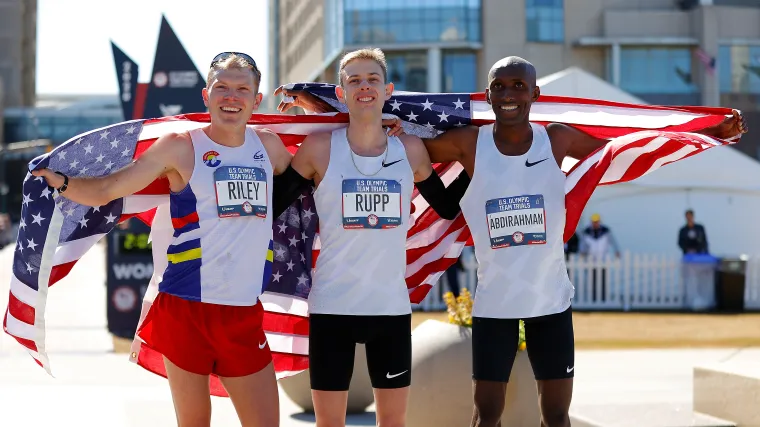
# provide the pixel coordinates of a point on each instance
(205, 338)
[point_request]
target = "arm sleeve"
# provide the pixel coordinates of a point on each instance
(287, 187)
(444, 200)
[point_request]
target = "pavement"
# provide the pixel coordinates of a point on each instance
(93, 386)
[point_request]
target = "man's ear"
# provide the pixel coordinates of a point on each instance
(340, 94)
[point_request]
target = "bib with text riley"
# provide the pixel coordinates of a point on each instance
(371, 203)
(240, 191)
(516, 221)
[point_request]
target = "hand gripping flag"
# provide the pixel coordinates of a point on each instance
(55, 232)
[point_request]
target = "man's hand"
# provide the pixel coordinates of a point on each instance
(303, 99)
(53, 179)
(730, 127)
(394, 126)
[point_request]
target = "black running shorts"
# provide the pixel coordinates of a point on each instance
(549, 340)
(332, 343)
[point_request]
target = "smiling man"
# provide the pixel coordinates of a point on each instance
(364, 179)
(515, 208)
(207, 317)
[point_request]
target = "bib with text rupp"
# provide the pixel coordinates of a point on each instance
(371, 203)
(516, 221)
(241, 191)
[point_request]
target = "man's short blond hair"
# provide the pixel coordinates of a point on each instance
(233, 62)
(374, 54)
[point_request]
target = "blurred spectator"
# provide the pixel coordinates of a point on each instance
(5, 230)
(692, 237)
(571, 246)
(596, 242)
(452, 276)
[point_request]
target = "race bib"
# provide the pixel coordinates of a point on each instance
(240, 191)
(371, 203)
(516, 221)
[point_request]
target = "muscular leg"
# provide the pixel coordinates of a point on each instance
(494, 347)
(255, 397)
(389, 360)
(390, 405)
(551, 349)
(330, 407)
(331, 365)
(190, 393)
(554, 398)
(489, 399)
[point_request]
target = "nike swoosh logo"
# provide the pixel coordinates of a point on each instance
(529, 164)
(389, 376)
(385, 165)
(262, 345)
(569, 369)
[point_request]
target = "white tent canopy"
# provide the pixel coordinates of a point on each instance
(577, 82)
(721, 185)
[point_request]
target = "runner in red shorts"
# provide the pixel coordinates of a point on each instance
(207, 318)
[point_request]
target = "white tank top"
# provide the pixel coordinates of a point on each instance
(515, 209)
(363, 221)
(222, 219)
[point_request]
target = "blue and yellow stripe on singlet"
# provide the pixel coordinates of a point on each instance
(183, 274)
(183, 208)
(268, 267)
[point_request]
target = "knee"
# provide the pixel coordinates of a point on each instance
(555, 418)
(488, 413)
(391, 423)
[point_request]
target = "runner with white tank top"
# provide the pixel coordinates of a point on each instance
(365, 179)
(205, 326)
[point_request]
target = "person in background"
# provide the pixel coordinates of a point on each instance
(692, 238)
(596, 242)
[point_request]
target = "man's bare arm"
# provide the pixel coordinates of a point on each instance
(97, 191)
(278, 154)
(568, 141)
(450, 145)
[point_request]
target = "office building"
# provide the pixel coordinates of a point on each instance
(669, 52)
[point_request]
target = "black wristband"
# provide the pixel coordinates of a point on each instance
(287, 187)
(65, 185)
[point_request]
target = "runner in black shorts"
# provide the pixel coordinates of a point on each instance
(365, 180)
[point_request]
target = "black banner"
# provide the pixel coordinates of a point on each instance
(126, 73)
(130, 266)
(176, 84)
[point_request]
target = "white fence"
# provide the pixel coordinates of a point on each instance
(631, 282)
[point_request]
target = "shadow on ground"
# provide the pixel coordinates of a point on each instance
(364, 419)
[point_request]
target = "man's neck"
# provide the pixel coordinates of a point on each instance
(517, 134)
(227, 136)
(366, 136)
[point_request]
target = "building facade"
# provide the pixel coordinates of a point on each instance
(668, 52)
(18, 52)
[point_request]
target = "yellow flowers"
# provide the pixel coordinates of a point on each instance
(460, 313)
(459, 309)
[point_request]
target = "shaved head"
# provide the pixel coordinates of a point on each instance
(515, 63)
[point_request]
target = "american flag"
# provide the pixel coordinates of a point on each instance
(56, 232)
(706, 60)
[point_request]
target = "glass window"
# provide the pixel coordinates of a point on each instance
(408, 70)
(545, 20)
(403, 21)
(459, 72)
(739, 69)
(656, 70)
